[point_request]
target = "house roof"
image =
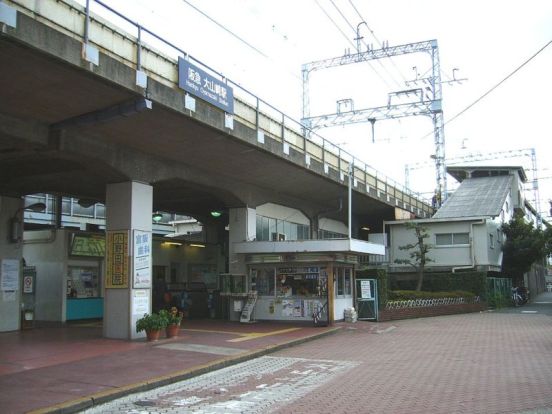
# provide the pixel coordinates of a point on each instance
(476, 197)
(461, 173)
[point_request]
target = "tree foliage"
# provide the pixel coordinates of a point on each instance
(419, 251)
(524, 246)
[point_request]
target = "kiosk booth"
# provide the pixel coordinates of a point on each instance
(300, 280)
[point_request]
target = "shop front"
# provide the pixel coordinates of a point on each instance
(307, 280)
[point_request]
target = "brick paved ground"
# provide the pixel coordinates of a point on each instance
(486, 362)
(473, 363)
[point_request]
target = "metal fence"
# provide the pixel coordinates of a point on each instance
(499, 285)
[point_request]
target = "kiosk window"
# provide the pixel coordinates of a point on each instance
(265, 282)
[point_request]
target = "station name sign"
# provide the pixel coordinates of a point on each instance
(199, 83)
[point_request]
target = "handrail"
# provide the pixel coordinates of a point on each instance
(307, 134)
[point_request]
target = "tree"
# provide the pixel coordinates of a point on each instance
(419, 256)
(524, 246)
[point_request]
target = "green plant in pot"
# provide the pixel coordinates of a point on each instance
(174, 318)
(153, 324)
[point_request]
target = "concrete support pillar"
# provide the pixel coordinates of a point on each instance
(129, 243)
(242, 225)
(10, 260)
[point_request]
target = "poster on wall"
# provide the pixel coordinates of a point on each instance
(140, 302)
(9, 275)
(117, 260)
(287, 307)
(365, 289)
(298, 309)
(142, 259)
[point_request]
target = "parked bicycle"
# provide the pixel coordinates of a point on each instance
(520, 295)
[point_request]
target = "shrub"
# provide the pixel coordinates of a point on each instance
(498, 300)
(174, 317)
(151, 322)
(413, 295)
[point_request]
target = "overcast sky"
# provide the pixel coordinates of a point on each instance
(261, 45)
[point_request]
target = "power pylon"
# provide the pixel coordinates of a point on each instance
(427, 103)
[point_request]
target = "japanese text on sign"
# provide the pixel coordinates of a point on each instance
(117, 260)
(142, 259)
(199, 83)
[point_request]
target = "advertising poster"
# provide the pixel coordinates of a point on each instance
(287, 307)
(365, 289)
(140, 302)
(142, 259)
(9, 275)
(117, 260)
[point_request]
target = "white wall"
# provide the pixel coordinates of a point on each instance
(10, 314)
(450, 256)
(333, 225)
(282, 213)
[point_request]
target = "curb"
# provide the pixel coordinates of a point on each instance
(79, 404)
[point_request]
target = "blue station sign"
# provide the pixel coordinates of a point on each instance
(199, 83)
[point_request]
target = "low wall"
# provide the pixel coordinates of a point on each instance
(423, 312)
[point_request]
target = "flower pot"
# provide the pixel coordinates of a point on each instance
(172, 330)
(153, 335)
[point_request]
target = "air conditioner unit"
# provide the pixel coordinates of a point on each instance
(278, 237)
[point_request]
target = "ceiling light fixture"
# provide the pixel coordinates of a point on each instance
(156, 217)
(216, 213)
(197, 245)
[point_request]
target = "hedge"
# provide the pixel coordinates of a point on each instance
(474, 282)
(413, 295)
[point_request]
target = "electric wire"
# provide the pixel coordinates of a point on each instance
(334, 23)
(517, 69)
(376, 39)
(245, 42)
(369, 64)
(223, 27)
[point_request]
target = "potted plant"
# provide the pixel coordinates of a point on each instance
(174, 318)
(153, 324)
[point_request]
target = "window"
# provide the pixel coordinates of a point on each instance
(265, 282)
(491, 241)
(498, 236)
(340, 282)
(267, 227)
(343, 278)
(449, 239)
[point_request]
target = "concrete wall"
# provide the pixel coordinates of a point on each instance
(10, 304)
(454, 255)
(333, 225)
(282, 213)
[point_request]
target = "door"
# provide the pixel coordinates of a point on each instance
(367, 299)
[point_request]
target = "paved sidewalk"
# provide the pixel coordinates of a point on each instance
(68, 368)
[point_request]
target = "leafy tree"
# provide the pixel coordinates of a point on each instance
(419, 254)
(524, 246)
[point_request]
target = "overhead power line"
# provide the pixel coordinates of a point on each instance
(376, 39)
(517, 69)
(226, 29)
(358, 51)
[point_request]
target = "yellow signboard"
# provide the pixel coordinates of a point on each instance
(117, 260)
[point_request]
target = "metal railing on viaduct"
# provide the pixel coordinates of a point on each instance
(110, 32)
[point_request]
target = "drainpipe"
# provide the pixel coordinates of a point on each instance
(472, 250)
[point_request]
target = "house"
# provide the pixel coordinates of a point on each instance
(465, 233)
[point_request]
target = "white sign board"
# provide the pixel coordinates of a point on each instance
(140, 302)
(142, 259)
(9, 275)
(365, 289)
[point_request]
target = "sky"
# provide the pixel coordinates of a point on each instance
(499, 109)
